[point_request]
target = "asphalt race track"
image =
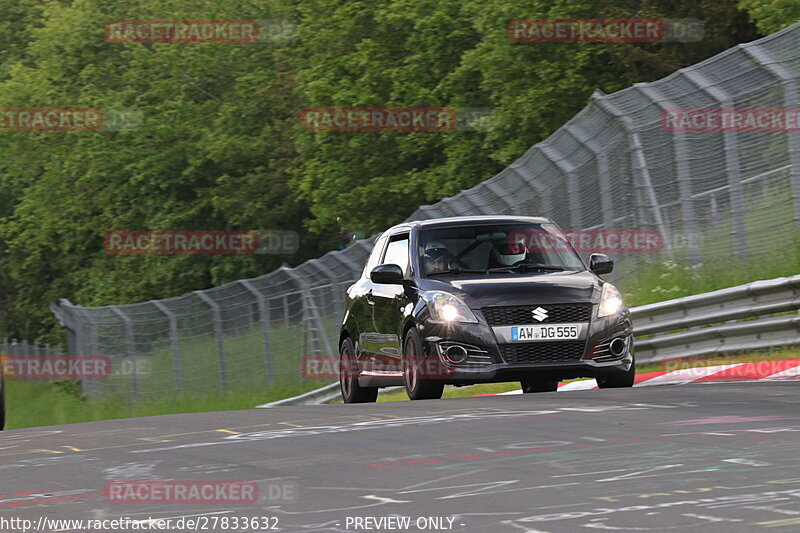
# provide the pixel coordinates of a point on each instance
(705, 457)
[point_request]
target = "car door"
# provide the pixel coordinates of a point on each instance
(389, 302)
(362, 305)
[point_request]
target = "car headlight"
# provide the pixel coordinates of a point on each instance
(448, 308)
(610, 301)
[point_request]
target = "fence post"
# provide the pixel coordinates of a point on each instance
(603, 175)
(573, 196)
(531, 180)
(263, 315)
(733, 171)
(466, 199)
(175, 345)
(791, 100)
(426, 212)
(78, 342)
(131, 349)
(638, 166)
(498, 193)
(88, 346)
(320, 325)
(311, 319)
(683, 172)
(316, 316)
(216, 318)
(300, 284)
(62, 313)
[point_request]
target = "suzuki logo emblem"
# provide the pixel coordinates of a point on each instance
(540, 314)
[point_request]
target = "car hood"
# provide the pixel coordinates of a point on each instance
(520, 288)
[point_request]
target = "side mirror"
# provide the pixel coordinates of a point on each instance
(387, 274)
(600, 264)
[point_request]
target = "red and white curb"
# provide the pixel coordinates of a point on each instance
(761, 371)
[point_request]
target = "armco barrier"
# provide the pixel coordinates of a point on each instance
(724, 321)
(728, 320)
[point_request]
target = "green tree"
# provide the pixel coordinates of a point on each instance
(212, 153)
(400, 53)
(772, 15)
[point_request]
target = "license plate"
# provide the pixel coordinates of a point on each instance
(550, 332)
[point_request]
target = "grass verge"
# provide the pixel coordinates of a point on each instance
(32, 403)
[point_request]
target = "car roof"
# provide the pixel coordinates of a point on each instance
(464, 220)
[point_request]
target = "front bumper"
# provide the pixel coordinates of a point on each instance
(492, 360)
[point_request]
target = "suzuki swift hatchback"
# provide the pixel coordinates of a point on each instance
(469, 300)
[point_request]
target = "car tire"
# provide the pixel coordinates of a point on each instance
(538, 385)
(352, 392)
(618, 380)
(418, 388)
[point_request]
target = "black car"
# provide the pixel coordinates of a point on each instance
(484, 299)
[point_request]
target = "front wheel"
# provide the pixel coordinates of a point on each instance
(618, 380)
(533, 385)
(418, 387)
(352, 392)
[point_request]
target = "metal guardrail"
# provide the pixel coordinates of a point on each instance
(728, 320)
(314, 397)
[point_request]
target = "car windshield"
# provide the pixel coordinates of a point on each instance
(500, 248)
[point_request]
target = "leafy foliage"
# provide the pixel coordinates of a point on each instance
(772, 15)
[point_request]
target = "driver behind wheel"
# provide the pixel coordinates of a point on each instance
(506, 253)
(436, 258)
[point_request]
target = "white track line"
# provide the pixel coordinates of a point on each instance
(685, 375)
(789, 373)
(584, 384)
(678, 377)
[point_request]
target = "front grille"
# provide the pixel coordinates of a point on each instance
(523, 314)
(543, 352)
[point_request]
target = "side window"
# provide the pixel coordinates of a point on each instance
(375, 257)
(397, 252)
